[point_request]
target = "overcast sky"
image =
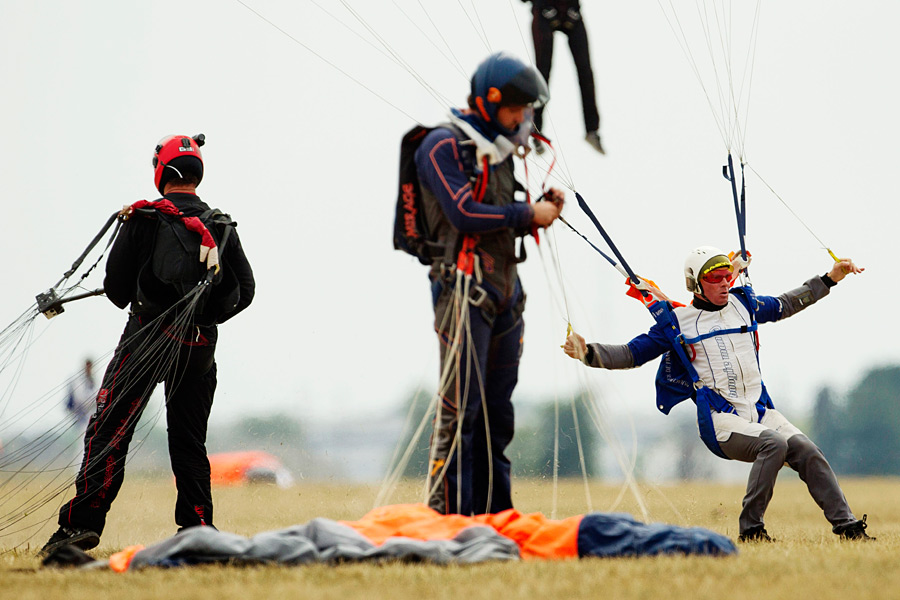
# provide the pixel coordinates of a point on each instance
(302, 146)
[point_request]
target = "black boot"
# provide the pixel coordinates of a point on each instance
(84, 539)
(854, 530)
(757, 533)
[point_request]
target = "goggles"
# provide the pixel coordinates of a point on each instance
(718, 275)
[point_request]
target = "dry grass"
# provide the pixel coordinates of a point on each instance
(806, 562)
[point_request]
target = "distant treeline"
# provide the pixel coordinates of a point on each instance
(860, 432)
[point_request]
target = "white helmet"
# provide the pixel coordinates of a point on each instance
(701, 261)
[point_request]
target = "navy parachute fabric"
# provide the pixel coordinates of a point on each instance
(619, 534)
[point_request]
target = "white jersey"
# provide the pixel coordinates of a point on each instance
(725, 363)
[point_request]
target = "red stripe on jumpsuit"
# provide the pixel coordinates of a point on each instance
(464, 193)
(87, 456)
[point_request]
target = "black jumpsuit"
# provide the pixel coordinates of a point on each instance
(182, 358)
(565, 16)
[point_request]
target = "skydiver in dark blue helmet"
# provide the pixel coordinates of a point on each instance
(550, 16)
(466, 173)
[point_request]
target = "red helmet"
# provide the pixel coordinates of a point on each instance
(177, 157)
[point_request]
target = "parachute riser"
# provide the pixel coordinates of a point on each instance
(740, 204)
(112, 218)
(622, 263)
(50, 304)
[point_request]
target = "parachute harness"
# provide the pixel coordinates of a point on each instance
(661, 311)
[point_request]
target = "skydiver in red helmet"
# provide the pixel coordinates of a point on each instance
(164, 248)
(736, 416)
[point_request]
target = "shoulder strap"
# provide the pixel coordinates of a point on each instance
(705, 398)
(220, 218)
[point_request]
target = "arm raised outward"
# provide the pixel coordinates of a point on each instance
(816, 288)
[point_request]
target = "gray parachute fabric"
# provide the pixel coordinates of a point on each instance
(321, 540)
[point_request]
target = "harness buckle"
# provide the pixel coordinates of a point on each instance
(477, 296)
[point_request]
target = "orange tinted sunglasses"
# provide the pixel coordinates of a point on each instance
(717, 276)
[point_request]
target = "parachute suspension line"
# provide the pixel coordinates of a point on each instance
(525, 47)
(458, 308)
(357, 34)
(558, 300)
(155, 353)
(554, 253)
(609, 259)
(587, 487)
(396, 467)
(627, 469)
(437, 30)
(726, 60)
(554, 505)
(600, 416)
(554, 249)
(621, 264)
(737, 132)
(80, 259)
(440, 98)
(632, 463)
(752, 64)
(795, 215)
(558, 268)
(488, 444)
(472, 363)
(479, 27)
(681, 38)
(462, 395)
(449, 321)
(729, 120)
(326, 61)
(24, 339)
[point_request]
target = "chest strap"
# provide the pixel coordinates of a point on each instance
(742, 329)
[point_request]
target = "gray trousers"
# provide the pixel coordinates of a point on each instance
(768, 452)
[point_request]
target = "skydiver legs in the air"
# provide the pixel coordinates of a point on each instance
(550, 16)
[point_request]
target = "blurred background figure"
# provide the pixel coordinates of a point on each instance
(81, 396)
(550, 16)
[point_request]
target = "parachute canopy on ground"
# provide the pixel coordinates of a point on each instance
(416, 533)
(251, 466)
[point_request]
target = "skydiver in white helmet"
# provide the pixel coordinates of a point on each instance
(718, 335)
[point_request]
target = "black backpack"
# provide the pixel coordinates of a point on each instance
(411, 231)
(174, 269)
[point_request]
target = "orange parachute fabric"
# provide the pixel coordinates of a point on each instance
(231, 468)
(536, 535)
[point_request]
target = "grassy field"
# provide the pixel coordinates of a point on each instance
(806, 562)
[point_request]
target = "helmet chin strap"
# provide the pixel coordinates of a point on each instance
(180, 176)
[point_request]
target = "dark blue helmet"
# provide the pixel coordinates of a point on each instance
(504, 80)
